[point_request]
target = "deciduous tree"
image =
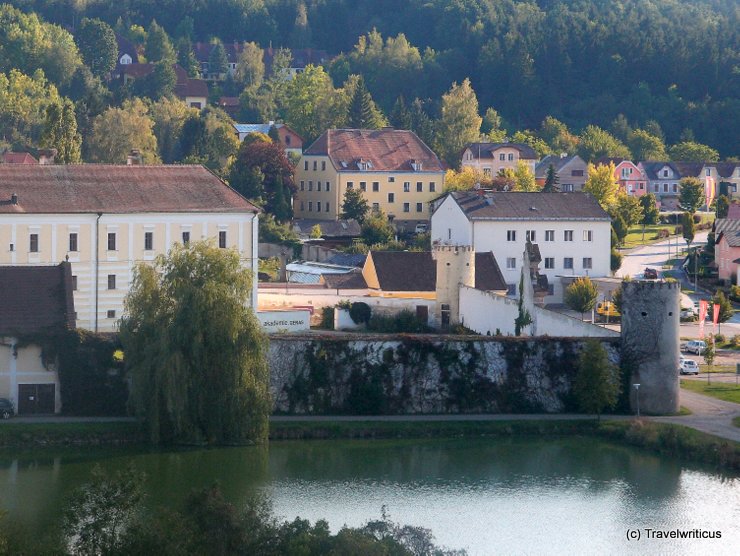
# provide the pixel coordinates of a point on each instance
(723, 206)
(60, 133)
(596, 143)
(250, 67)
(581, 295)
(602, 184)
(524, 178)
(195, 350)
(645, 146)
(355, 205)
(24, 100)
(97, 43)
(459, 122)
(691, 196)
(690, 151)
(117, 131)
(376, 229)
(688, 228)
(597, 384)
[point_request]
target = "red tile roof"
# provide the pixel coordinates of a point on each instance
(36, 299)
(191, 88)
(19, 158)
(91, 188)
(387, 150)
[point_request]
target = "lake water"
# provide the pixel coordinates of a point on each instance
(489, 496)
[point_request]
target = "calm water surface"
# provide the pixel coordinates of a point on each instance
(523, 496)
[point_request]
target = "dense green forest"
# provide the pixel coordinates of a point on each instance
(676, 62)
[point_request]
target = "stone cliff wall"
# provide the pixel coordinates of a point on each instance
(374, 374)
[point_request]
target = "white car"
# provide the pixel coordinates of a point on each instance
(688, 366)
(696, 347)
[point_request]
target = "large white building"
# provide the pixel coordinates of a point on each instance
(572, 231)
(104, 219)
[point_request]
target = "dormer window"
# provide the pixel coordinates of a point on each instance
(364, 164)
(416, 165)
(665, 173)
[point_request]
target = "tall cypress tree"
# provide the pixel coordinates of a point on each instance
(60, 132)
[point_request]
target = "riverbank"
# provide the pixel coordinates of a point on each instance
(667, 439)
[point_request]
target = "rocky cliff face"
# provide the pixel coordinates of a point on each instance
(364, 374)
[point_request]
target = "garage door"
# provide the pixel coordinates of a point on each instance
(35, 398)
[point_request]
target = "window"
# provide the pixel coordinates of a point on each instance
(568, 262)
(391, 179)
(287, 137)
(577, 173)
(315, 165)
(376, 186)
(303, 207)
(510, 263)
(566, 188)
(363, 185)
(186, 238)
(588, 235)
(310, 185)
(419, 207)
(531, 235)
(407, 207)
(391, 198)
(510, 235)
(655, 187)
(568, 235)
(305, 164)
(432, 187)
(310, 206)
(665, 188)
(449, 233)
(549, 263)
(112, 241)
(148, 241)
(675, 188)
(376, 207)
(318, 186)
(551, 289)
(511, 156)
(326, 206)
(502, 156)
(111, 314)
(72, 242)
(510, 289)
(419, 187)
(406, 187)
(303, 185)
(350, 185)
(222, 239)
(318, 206)
(111, 281)
(549, 235)
(328, 186)
(74, 283)
(587, 263)
(487, 172)
(323, 165)
(665, 173)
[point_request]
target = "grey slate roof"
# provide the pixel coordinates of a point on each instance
(486, 150)
(36, 299)
(652, 168)
(349, 281)
(729, 229)
(416, 271)
(329, 228)
(557, 162)
(519, 205)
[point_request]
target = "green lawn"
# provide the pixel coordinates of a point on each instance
(726, 391)
(634, 236)
(736, 422)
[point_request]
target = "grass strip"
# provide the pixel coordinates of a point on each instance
(726, 391)
(69, 434)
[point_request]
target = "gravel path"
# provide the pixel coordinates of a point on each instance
(709, 415)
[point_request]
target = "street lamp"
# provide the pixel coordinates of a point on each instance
(637, 394)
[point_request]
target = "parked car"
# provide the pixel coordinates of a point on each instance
(6, 408)
(421, 228)
(607, 308)
(650, 274)
(688, 366)
(696, 347)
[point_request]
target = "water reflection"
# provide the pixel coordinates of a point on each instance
(555, 496)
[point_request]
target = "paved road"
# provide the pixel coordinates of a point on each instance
(709, 415)
(654, 255)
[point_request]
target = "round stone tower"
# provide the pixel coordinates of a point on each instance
(650, 344)
(455, 267)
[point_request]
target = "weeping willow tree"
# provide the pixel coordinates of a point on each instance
(195, 350)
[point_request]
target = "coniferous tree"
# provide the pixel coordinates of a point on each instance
(218, 62)
(186, 57)
(551, 181)
(362, 112)
(596, 386)
(400, 115)
(158, 46)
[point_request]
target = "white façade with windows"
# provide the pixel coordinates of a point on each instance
(575, 244)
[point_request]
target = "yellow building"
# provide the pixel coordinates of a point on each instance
(104, 219)
(396, 172)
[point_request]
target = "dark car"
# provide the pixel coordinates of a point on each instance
(651, 274)
(6, 408)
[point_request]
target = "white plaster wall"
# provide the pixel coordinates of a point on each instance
(450, 225)
(486, 313)
(342, 320)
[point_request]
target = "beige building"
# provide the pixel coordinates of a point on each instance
(396, 172)
(104, 219)
(492, 158)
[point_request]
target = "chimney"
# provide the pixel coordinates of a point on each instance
(46, 156)
(14, 199)
(134, 158)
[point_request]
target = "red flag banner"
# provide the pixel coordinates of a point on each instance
(703, 306)
(715, 316)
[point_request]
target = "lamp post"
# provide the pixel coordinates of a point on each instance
(637, 394)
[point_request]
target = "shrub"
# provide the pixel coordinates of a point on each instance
(735, 342)
(327, 318)
(720, 338)
(404, 321)
(697, 219)
(663, 234)
(360, 312)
